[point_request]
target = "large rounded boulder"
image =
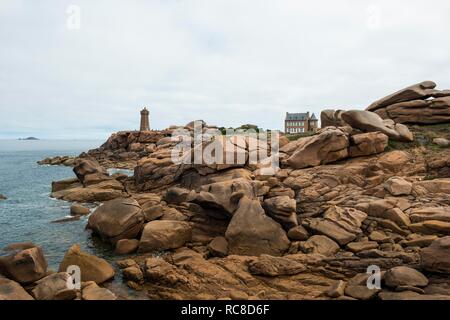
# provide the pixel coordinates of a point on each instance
(436, 257)
(92, 268)
(117, 219)
(252, 232)
(164, 235)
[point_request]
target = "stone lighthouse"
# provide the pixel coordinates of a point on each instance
(145, 124)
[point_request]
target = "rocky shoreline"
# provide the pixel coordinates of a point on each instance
(368, 189)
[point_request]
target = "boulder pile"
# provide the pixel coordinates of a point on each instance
(340, 202)
(418, 104)
(24, 275)
(92, 183)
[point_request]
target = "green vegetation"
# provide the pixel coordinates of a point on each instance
(296, 136)
(423, 136)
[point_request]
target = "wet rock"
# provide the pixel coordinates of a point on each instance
(68, 219)
(2, 197)
(164, 235)
(126, 246)
(251, 232)
(24, 266)
(117, 219)
(92, 268)
(79, 210)
(65, 184)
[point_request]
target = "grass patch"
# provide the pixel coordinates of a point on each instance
(296, 136)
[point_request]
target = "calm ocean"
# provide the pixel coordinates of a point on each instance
(27, 213)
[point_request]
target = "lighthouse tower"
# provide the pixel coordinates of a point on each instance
(145, 124)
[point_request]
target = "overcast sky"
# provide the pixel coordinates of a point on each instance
(227, 62)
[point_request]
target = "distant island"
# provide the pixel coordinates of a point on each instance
(29, 138)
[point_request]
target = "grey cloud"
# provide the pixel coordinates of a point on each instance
(227, 62)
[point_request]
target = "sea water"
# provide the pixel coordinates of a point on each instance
(28, 212)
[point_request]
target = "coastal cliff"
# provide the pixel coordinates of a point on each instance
(362, 191)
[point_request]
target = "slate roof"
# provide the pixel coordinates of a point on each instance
(313, 117)
(296, 116)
